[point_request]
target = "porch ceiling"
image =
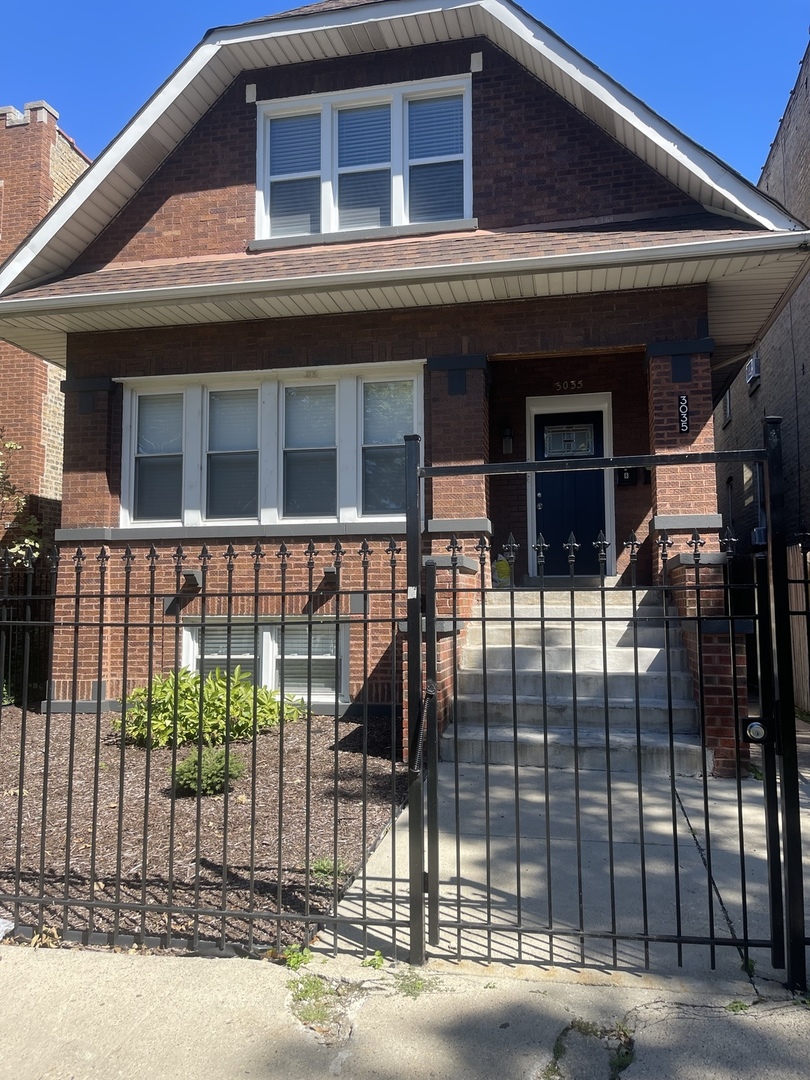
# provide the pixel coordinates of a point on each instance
(745, 277)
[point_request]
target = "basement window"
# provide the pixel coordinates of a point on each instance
(309, 658)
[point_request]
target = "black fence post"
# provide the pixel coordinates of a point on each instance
(416, 808)
(784, 710)
(770, 783)
(432, 739)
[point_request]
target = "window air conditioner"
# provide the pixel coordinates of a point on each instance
(759, 537)
(752, 369)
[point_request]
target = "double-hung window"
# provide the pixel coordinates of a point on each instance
(369, 159)
(387, 416)
(310, 451)
(232, 459)
(158, 474)
(282, 448)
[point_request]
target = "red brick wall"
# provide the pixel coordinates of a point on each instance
(93, 448)
(535, 158)
(457, 427)
(683, 489)
(717, 663)
(122, 658)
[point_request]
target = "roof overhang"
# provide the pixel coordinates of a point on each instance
(183, 99)
(748, 279)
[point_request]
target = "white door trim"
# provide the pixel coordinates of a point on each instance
(561, 403)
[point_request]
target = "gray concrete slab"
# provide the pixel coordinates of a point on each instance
(508, 857)
(85, 1015)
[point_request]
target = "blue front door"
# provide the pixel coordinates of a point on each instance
(572, 502)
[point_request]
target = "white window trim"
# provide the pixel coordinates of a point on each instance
(268, 651)
(395, 94)
(270, 385)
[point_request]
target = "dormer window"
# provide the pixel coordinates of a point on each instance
(368, 159)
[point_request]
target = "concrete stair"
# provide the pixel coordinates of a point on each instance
(555, 677)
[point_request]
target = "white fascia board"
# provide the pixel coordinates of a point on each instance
(763, 244)
(701, 163)
(698, 161)
(319, 21)
(751, 203)
(105, 164)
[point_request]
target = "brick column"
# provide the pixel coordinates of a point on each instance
(684, 497)
(716, 654)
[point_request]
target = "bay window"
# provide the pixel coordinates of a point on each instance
(365, 159)
(327, 446)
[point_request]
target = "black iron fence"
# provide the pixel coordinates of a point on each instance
(216, 750)
(221, 742)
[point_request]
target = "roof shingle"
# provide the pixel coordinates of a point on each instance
(389, 254)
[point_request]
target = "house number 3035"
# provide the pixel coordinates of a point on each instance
(569, 384)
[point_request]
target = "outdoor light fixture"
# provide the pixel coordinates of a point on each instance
(506, 439)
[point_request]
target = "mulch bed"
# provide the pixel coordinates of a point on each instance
(111, 832)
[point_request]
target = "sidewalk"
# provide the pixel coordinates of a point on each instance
(73, 1014)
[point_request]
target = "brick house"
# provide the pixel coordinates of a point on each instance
(354, 221)
(38, 163)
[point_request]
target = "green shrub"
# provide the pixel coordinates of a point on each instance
(211, 771)
(221, 705)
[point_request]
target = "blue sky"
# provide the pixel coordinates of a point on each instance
(721, 70)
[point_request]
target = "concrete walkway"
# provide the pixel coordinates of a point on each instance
(683, 860)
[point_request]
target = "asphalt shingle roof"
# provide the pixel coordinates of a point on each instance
(447, 249)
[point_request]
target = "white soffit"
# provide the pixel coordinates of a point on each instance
(174, 109)
(744, 279)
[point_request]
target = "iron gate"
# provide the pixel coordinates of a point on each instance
(673, 826)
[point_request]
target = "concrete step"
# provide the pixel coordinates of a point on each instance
(653, 754)
(656, 713)
(558, 658)
(557, 682)
(616, 601)
(561, 632)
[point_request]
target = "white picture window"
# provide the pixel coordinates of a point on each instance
(280, 449)
(365, 159)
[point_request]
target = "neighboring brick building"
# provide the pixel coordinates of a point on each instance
(777, 382)
(38, 163)
(457, 226)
